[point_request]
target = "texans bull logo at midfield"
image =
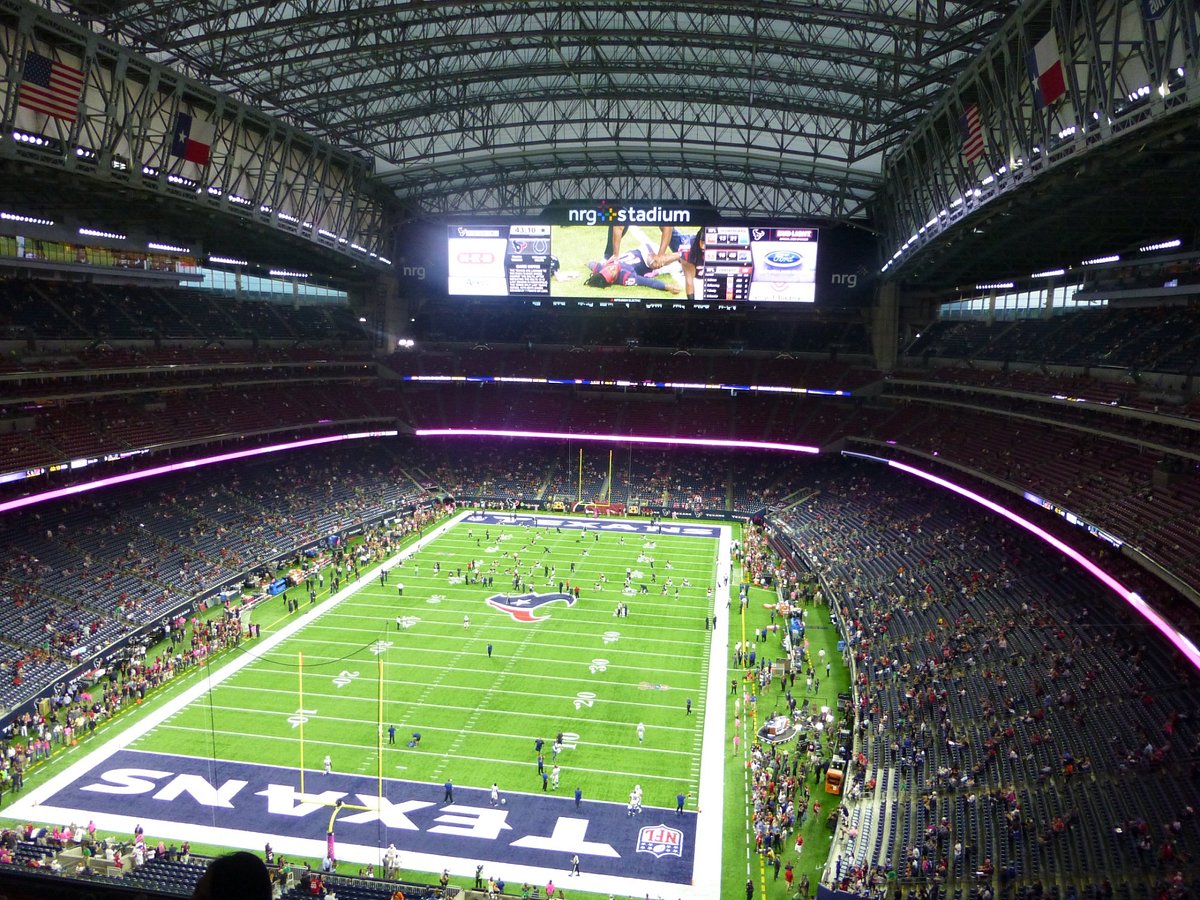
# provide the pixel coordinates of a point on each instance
(521, 606)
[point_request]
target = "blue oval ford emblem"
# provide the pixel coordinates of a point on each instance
(784, 259)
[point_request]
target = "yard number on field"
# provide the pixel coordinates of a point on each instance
(300, 716)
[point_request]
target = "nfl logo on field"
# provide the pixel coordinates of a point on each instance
(661, 841)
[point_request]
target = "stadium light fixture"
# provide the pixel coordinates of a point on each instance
(227, 261)
(287, 273)
(107, 235)
(1101, 260)
(1161, 245)
(25, 220)
(1049, 273)
(168, 248)
(24, 137)
(617, 439)
(995, 286)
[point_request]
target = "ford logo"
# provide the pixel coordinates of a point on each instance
(784, 259)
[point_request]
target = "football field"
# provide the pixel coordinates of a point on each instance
(476, 641)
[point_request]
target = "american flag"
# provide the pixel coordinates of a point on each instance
(971, 127)
(50, 87)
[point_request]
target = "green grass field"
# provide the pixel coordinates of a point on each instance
(478, 714)
(580, 671)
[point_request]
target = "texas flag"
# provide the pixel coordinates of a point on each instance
(192, 139)
(1046, 71)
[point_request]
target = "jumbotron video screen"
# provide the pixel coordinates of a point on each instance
(710, 264)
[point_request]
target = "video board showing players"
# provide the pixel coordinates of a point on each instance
(652, 265)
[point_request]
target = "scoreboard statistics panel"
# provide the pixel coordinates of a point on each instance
(532, 261)
(499, 260)
(760, 264)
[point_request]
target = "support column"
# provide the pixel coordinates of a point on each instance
(885, 335)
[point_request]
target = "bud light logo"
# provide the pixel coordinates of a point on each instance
(660, 841)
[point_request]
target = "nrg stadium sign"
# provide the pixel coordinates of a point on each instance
(617, 213)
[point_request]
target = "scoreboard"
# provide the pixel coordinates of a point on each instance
(721, 265)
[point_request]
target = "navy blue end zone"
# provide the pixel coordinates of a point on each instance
(603, 526)
(529, 829)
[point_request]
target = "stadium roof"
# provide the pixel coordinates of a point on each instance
(761, 108)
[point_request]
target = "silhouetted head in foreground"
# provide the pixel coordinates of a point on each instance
(237, 876)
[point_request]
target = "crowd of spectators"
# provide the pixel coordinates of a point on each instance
(75, 709)
(81, 574)
(1017, 728)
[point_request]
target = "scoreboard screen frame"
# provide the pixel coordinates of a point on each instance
(550, 264)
